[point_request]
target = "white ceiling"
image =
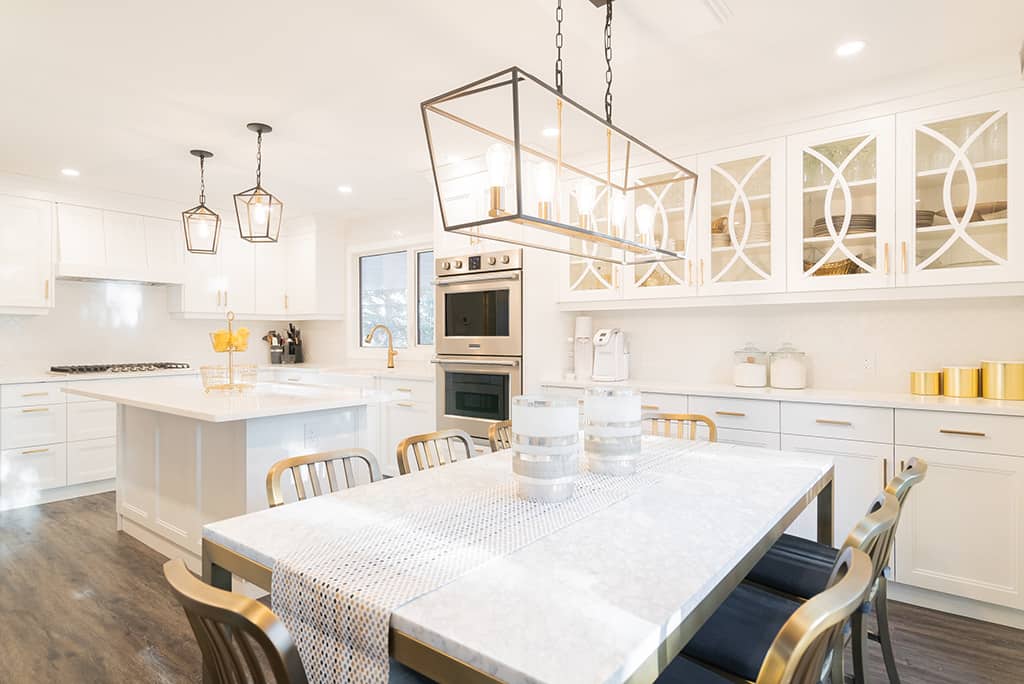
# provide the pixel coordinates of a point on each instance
(122, 89)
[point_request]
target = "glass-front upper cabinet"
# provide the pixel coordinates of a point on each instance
(841, 207)
(742, 219)
(958, 189)
(666, 216)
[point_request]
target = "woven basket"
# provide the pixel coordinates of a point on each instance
(834, 268)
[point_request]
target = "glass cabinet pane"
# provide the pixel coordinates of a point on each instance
(840, 201)
(741, 220)
(664, 217)
(960, 192)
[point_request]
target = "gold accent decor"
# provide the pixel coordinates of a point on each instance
(1002, 380)
(544, 210)
(500, 435)
(497, 208)
(926, 383)
(961, 381)
(427, 448)
(391, 347)
(228, 341)
(313, 463)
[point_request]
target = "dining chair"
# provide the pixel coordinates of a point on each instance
(665, 423)
(761, 637)
(433, 449)
(312, 463)
(241, 640)
(500, 435)
(799, 567)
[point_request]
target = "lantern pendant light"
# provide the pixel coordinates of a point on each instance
(201, 224)
(258, 212)
(517, 161)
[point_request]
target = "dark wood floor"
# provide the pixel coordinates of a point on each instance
(80, 602)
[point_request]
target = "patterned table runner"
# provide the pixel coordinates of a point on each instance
(337, 593)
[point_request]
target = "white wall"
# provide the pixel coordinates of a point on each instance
(893, 338)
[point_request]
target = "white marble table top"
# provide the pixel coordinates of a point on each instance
(184, 396)
(591, 601)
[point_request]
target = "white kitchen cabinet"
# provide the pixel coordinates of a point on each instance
(202, 291)
(28, 471)
(81, 239)
(957, 178)
(403, 418)
(91, 420)
(32, 394)
(754, 438)
(28, 426)
(221, 282)
(91, 460)
(840, 206)
(26, 253)
(301, 258)
(237, 263)
(862, 470)
(962, 530)
(742, 219)
(270, 288)
(125, 240)
(165, 250)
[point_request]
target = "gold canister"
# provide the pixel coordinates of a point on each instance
(1002, 380)
(926, 382)
(961, 381)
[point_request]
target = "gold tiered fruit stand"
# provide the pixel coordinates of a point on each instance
(233, 378)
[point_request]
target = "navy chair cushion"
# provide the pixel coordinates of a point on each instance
(796, 566)
(737, 636)
(684, 671)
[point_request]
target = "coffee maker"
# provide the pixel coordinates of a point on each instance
(611, 355)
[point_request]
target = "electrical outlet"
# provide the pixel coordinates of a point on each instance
(311, 436)
(870, 363)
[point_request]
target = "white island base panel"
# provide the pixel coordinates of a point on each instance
(176, 474)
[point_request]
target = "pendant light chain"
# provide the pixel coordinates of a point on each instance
(259, 156)
(202, 180)
(608, 62)
(558, 48)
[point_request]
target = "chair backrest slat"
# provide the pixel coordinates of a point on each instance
(312, 463)
(874, 532)
(664, 424)
(433, 449)
(239, 637)
(500, 435)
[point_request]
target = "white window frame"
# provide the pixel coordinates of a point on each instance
(415, 351)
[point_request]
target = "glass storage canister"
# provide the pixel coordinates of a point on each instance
(612, 429)
(750, 368)
(789, 368)
(545, 447)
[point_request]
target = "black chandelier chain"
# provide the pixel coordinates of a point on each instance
(558, 48)
(608, 62)
(202, 180)
(259, 156)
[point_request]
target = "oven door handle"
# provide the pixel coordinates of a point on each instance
(482, 278)
(480, 362)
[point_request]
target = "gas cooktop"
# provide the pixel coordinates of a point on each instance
(117, 368)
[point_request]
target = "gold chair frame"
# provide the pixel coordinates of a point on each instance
(238, 636)
(680, 421)
(500, 435)
(421, 448)
(311, 461)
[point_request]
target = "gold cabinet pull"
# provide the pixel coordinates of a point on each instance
(34, 451)
(738, 414)
(901, 465)
(293, 379)
(701, 271)
(829, 421)
(403, 389)
(649, 407)
(286, 302)
(886, 248)
(404, 404)
(225, 297)
(46, 290)
(41, 409)
(885, 470)
(968, 433)
(218, 297)
(903, 254)
(35, 394)
(689, 273)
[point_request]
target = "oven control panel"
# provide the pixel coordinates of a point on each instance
(506, 260)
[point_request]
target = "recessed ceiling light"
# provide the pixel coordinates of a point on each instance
(344, 189)
(550, 132)
(70, 172)
(850, 48)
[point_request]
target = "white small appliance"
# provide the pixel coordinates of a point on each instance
(611, 355)
(583, 347)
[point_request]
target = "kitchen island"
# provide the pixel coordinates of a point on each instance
(186, 457)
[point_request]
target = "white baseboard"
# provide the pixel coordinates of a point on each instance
(957, 605)
(59, 494)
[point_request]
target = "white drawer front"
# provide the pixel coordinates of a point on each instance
(92, 460)
(33, 425)
(765, 440)
(32, 394)
(654, 402)
(91, 420)
(337, 379)
(862, 423)
(417, 391)
(746, 414)
(961, 431)
(26, 471)
(285, 374)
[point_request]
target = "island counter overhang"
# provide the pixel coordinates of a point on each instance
(186, 458)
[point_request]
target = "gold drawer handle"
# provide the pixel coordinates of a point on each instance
(649, 407)
(404, 404)
(34, 451)
(35, 394)
(403, 389)
(968, 433)
(738, 414)
(293, 379)
(827, 421)
(35, 410)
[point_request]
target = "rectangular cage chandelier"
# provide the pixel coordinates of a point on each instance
(516, 161)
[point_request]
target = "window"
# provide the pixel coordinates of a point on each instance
(389, 284)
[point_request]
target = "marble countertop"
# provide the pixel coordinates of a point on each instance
(417, 371)
(184, 396)
(11, 376)
(815, 396)
(590, 601)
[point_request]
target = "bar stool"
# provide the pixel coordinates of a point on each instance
(500, 435)
(433, 449)
(683, 424)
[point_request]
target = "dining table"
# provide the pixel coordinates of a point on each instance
(607, 587)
